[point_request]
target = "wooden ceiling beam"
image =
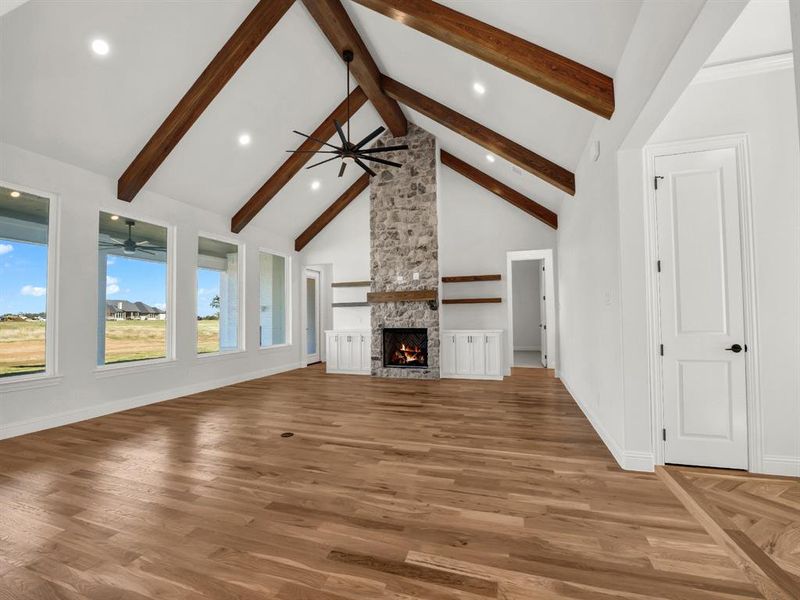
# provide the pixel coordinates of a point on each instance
(330, 213)
(236, 50)
(562, 76)
(335, 23)
(296, 161)
(494, 142)
(510, 195)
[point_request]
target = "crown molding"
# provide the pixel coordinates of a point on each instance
(743, 68)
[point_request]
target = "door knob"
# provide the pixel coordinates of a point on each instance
(735, 348)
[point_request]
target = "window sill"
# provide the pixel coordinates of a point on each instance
(275, 347)
(115, 370)
(221, 354)
(28, 382)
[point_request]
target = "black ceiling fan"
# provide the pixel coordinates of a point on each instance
(129, 246)
(348, 151)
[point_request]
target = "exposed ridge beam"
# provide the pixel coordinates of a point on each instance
(296, 161)
(562, 76)
(331, 212)
(502, 146)
(510, 195)
(236, 50)
(335, 23)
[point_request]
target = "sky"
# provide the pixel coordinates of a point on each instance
(23, 280)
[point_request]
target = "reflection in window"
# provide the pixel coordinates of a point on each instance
(24, 222)
(132, 290)
(273, 292)
(217, 296)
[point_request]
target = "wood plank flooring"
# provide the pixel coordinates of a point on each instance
(388, 490)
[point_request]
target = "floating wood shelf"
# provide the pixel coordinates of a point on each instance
(406, 296)
(467, 278)
(471, 300)
(351, 284)
(348, 304)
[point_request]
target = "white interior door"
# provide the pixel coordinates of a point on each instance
(312, 316)
(702, 313)
(543, 313)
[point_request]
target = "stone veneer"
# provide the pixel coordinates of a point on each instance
(403, 241)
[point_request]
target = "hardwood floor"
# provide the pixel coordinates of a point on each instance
(388, 490)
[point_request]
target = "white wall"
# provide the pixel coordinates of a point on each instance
(764, 107)
(82, 391)
(527, 305)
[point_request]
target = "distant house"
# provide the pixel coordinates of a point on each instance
(123, 310)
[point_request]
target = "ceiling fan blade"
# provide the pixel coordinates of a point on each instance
(382, 161)
(365, 167)
(145, 251)
(322, 162)
(340, 132)
(342, 168)
(315, 139)
(383, 149)
(370, 137)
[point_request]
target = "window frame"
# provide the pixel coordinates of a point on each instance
(240, 326)
(51, 373)
(287, 300)
(170, 332)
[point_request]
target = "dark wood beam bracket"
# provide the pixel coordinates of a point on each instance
(562, 76)
(510, 195)
(335, 23)
(330, 213)
(501, 146)
(224, 65)
(295, 162)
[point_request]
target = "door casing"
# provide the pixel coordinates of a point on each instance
(740, 144)
(308, 272)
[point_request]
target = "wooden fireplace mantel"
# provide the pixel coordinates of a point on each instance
(404, 296)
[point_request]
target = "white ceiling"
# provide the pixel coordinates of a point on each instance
(60, 100)
(763, 29)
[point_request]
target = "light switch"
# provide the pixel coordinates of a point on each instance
(416, 276)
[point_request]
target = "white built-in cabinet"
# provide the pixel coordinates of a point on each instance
(472, 354)
(348, 351)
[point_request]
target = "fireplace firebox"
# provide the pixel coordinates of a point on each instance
(405, 347)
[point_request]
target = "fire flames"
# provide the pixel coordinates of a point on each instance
(408, 355)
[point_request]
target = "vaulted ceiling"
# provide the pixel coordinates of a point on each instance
(60, 100)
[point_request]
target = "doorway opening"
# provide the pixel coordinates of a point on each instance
(311, 316)
(531, 309)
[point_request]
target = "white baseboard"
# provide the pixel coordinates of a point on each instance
(781, 465)
(630, 460)
(107, 408)
(527, 348)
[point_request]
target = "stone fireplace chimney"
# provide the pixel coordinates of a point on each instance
(404, 241)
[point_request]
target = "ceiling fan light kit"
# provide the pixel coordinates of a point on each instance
(348, 152)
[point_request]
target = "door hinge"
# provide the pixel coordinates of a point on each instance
(745, 347)
(661, 349)
(544, 298)
(664, 435)
(542, 267)
(655, 181)
(658, 265)
(544, 327)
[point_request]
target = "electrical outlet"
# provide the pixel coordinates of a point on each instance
(415, 276)
(400, 279)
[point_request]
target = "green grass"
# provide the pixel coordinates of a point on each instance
(22, 344)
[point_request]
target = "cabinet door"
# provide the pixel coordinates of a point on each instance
(332, 352)
(345, 352)
(463, 354)
(493, 351)
(448, 354)
(477, 354)
(366, 352)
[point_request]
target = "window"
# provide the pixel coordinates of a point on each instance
(218, 281)
(24, 236)
(273, 310)
(132, 290)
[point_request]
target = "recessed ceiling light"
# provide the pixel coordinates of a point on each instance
(490, 157)
(15, 194)
(245, 139)
(100, 47)
(315, 185)
(115, 217)
(479, 88)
